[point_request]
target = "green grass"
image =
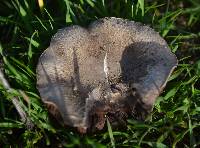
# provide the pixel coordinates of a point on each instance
(26, 30)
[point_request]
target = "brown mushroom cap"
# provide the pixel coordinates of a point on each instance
(114, 66)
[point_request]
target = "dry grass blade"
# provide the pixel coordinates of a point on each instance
(16, 103)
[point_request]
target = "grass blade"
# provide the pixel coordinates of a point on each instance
(112, 140)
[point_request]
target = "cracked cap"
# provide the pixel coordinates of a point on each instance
(114, 66)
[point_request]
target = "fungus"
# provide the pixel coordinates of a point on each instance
(113, 69)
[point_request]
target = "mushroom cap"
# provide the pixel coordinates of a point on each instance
(113, 66)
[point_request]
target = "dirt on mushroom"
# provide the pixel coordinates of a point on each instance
(113, 68)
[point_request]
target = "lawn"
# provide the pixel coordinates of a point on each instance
(26, 28)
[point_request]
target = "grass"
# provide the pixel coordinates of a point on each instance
(26, 29)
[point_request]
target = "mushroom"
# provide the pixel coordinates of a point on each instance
(112, 69)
